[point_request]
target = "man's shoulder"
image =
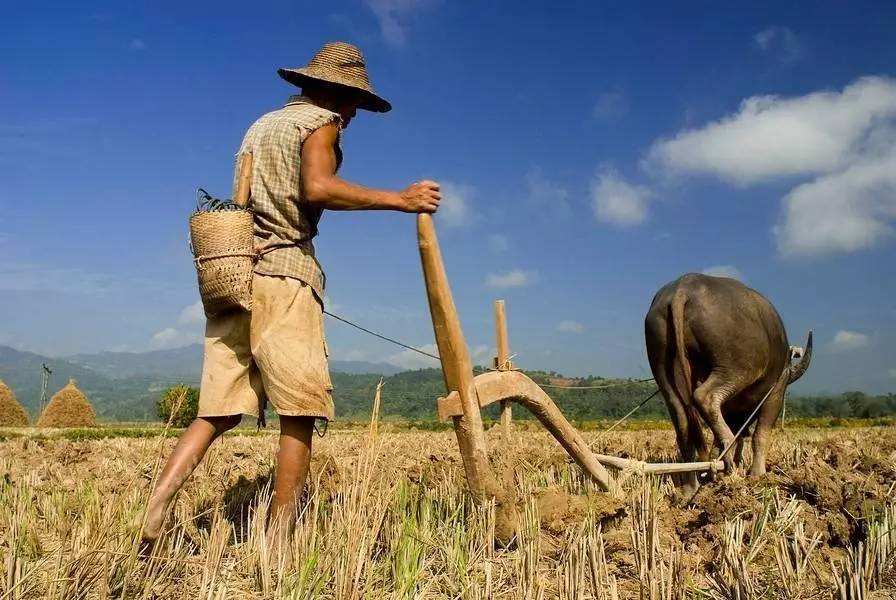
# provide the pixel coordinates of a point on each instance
(310, 116)
(294, 119)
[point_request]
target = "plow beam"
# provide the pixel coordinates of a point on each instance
(503, 386)
(513, 386)
(638, 466)
(458, 373)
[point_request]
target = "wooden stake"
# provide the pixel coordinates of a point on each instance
(375, 413)
(244, 181)
(503, 360)
(458, 373)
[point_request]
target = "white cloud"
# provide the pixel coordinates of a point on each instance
(454, 209)
(845, 341)
(610, 105)
(547, 193)
(498, 242)
(513, 278)
(192, 315)
(173, 338)
(842, 212)
(480, 352)
(780, 42)
(724, 271)
(392, 17)
(353, 354)
(570, 327)
(771, 137)
(841, 145)
(138, 44)
(188, 331)
(617, 201)
(330, 305)
(891, 373)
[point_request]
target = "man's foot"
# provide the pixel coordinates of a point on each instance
(153, 522)
(279, 542)
(684, 495)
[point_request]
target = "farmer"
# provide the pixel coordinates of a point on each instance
(277, 353)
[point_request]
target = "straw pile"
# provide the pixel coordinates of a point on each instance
(69, 407)
(11, 412)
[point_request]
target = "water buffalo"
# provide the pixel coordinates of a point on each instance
(716, 349)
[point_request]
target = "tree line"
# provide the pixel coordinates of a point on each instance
(412, 395)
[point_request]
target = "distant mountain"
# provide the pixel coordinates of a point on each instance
(176, 362)
(186, 362)
(124, 385)
(123, 399)
(360, 367)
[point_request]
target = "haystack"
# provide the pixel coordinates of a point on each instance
(69, 407)
(11, 412)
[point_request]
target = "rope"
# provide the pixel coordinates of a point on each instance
(594, 387)
(382, 337)
(200, 259)
(628, 414)
(544, 385)
(747, 422)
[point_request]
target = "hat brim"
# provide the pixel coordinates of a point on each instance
(370, 101)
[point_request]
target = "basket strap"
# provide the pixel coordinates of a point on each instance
(295, 245)
(200, 259)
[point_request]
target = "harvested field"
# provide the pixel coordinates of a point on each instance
(391, 520)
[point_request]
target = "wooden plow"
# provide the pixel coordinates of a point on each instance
(467, 394)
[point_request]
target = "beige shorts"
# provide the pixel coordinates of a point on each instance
(276, 353)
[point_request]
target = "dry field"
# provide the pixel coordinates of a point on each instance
(390, 519)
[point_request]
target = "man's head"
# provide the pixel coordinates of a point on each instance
(340, 99)
(336, 78)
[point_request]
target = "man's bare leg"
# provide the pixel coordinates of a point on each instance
(190, 449)
(293, 460)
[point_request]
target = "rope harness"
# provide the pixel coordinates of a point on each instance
(575, 387)
(750, 418)
(544, 385)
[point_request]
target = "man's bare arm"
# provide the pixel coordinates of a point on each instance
(322, 187)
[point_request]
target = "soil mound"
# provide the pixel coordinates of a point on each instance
(12, 414)
(69, 407)
(561, 511)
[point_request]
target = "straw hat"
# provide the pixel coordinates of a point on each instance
(341, 64)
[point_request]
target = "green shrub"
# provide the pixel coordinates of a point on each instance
(184, 399)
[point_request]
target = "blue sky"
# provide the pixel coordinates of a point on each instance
(589, 155)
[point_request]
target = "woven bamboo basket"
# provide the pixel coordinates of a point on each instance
(224, 256)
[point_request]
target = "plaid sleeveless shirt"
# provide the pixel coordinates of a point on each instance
(284, 224)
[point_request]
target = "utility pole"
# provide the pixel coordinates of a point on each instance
(45, 380)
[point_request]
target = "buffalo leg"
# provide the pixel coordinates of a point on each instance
(684, 435)
(735, 421)
(765, 421)
(739, 452)
(688, 435)
(710, 397)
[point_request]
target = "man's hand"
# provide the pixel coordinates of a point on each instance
(421, 197)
